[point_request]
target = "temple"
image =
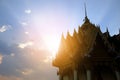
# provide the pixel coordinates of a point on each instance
(88, 54)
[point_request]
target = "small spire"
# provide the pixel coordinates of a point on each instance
(85, 10)
(68, 34)
(86, 19)
(74, 32)
(107, 30)
(62, 37)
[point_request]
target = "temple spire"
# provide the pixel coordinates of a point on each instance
(74, 33)
(86, 18)
(85, 10)
(107, 30)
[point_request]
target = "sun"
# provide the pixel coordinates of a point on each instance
(52, 44)
(45, 25)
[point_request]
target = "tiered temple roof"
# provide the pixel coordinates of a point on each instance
(88, 54)
(74, 48)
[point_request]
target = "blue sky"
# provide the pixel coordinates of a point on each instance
(31, 29)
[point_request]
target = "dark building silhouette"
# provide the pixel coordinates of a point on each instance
(89, 54)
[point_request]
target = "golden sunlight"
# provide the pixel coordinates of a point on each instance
(52, 44)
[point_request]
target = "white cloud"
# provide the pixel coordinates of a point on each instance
(24, 23)
(23, 45)
(28, 11)
(3, 28)
(1, 57)
(26, 32)
(12, 54)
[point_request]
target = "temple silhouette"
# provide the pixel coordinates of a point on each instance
(89, 54)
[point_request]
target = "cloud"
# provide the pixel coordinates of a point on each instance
(12, 54)
(24, 23)
(28, 11)
(3, 28)
(21, 64)
(26, 32)
(25, 71)
(48, 59)
(1, 58)
(23, 45)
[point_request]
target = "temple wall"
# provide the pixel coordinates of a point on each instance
(68, 76)
(94, 74)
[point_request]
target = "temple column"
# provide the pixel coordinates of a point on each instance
(117, 75)
(75, 75)
(65, 77)
(88, 75)
(60, 77)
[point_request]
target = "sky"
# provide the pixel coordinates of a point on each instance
(30, 32)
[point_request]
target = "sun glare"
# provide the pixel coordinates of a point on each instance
(52, 43)
(45, 25)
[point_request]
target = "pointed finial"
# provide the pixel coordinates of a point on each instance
(86, 19)
(74, 33)
(85, 10)
(75, 30)
(107, 30)
(68, 34)
(62, 37)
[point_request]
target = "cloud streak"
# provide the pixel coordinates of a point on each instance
(23, 45)
(24, 23)
(28, 11)
(4, 28)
